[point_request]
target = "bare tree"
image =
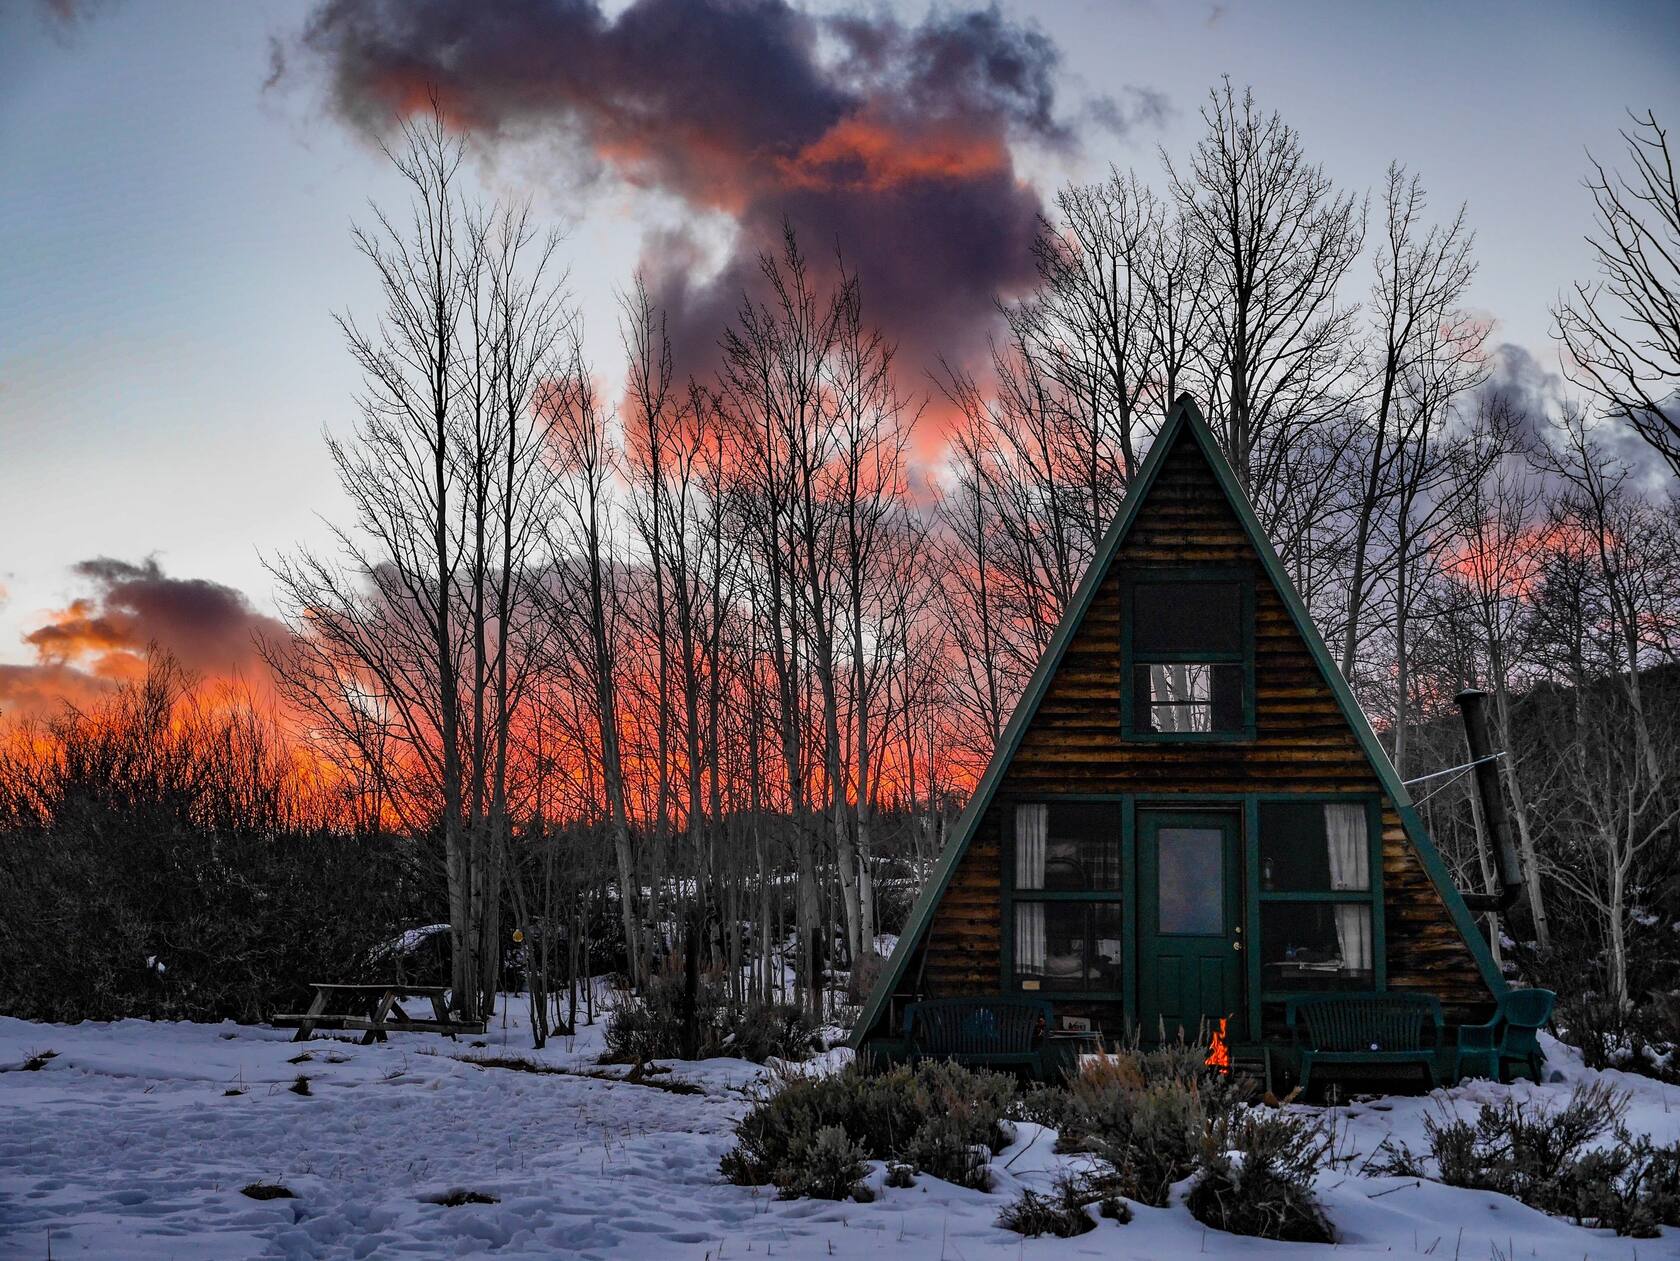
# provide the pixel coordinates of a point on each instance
(1610, 579)
(1278, 240)
(1621, 335)
(1089, 326)
(774, 360)
(376, 657)
(517, 319)
(877, 547)
(587, 594)
(1421, 342)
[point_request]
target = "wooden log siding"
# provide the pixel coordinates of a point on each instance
(1302, 744)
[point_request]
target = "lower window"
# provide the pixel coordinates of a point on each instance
(1316, 946)
(1068, 945)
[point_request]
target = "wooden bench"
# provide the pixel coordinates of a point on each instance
(1510, 1041)
(1002, 1032)
(374, 1009)
(1360, 1030)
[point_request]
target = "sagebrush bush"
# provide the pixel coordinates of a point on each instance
(1514, 1147)
(1148, 1114)
(1152, 1137)
(1061, 1213)
(1042, 1105)
(1630, 1186)
(1553, 1159)
(650, 1025)
(1638, 1037)
(829, 1166)
(1266, 1189)
(760, 1031)
(942, 1147)
(936, 1118)
(1607, 1033)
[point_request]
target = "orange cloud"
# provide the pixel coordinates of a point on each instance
(104, 638)
(868, 153)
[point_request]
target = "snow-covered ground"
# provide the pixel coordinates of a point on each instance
(132, 1143)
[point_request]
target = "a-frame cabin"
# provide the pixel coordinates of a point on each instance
(1188, 816)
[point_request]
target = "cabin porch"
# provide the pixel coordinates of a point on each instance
(1383, 1041)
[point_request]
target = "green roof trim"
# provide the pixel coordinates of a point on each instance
(1183, 418)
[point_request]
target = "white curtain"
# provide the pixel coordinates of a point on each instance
(1032, 829)
(1348, 840)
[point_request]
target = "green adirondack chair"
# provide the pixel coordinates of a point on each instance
(1511, 1039)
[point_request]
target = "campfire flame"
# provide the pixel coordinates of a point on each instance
(1219, 1052)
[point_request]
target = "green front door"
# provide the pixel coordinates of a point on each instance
(1190, 937)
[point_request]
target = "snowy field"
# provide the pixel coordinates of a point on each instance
(135, 1139)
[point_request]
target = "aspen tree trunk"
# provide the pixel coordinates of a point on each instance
(1616, 917)
(1490, 880)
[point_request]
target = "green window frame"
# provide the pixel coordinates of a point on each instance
(1272, 987)
(1133, 656)
(1116, 899)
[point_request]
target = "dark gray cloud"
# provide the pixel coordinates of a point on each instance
(1134, 108)
(103, 638)
(1532, 391)
(1537, 395)
(888, 141)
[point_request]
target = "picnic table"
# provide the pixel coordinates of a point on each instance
(375, 1009)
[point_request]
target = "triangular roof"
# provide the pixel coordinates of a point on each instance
(1183, 419)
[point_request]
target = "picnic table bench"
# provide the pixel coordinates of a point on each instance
(375, 1009)
(1357, 1030)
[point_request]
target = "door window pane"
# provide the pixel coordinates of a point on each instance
(1315, 946)
(1187, 617)
(1190, 880)
(1069, 945)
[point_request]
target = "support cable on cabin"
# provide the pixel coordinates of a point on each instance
(1451, 770)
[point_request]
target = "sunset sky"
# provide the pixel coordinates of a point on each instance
(177, 182)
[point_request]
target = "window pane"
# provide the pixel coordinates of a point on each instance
(1315, 847)
(1315, 946)
(1190, 880)
(1107, 943)
(1067, 846)
(1068, 945)
(1189, 696)
(1083, 847)
(1187, 617)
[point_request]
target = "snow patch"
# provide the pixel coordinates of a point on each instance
(127, 1144)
